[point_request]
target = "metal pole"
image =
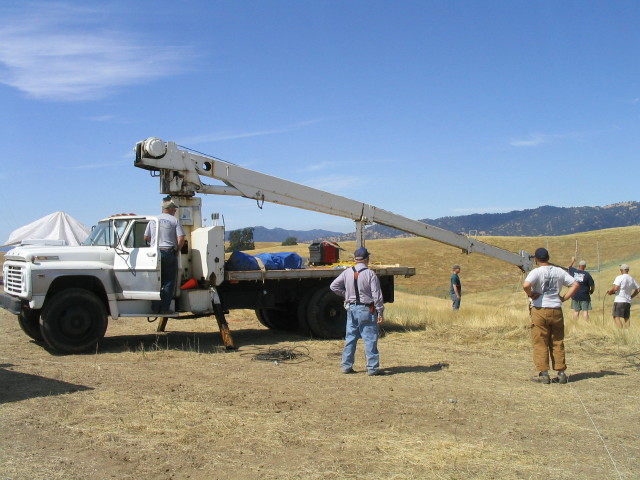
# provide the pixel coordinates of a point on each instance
(598, 254)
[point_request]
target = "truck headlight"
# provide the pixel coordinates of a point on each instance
(44, 258)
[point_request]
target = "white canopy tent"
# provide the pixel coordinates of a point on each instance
(57, 228)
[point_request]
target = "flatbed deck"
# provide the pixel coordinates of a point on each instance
(312, 272)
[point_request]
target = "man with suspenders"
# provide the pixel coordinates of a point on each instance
(360, 288)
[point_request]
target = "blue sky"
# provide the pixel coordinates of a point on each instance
(425, 108)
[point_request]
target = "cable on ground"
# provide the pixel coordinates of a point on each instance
(294, 355)
(613, 462)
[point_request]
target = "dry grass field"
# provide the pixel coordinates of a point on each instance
(455, 403)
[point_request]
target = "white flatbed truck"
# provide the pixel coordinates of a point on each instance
(64, 295)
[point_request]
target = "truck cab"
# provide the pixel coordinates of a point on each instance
(63, 289)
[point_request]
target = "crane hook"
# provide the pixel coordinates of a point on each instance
(259, 199)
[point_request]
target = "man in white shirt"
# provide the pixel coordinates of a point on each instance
(625, 287)
(543, 286)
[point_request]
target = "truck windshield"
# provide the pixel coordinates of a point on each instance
(107, 233)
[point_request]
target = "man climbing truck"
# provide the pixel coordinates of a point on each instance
(64, 295)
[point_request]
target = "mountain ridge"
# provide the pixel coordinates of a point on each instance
(546, 220)
(263, 234)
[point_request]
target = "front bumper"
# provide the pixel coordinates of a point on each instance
(10, 303)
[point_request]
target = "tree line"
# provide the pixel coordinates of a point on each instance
(242, 239)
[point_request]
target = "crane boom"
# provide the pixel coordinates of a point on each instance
(181, 171)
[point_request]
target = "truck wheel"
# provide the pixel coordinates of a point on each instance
(74, 321)
(326, 314)
(263, 317)
(302, 313)
(29, 321)
(278, 319)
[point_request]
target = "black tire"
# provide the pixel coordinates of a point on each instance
(29, 321)
(73, 321)
(284, 318)
(302, 312)
(263, 317)
(326, 314)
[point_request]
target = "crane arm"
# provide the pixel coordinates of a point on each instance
(181, 171)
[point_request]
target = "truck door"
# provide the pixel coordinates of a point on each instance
(136, 265)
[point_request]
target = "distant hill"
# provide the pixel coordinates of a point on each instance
(536, 222)
(262, 234)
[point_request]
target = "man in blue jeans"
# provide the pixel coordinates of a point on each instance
(170, 240)
(360, 288)
(455, 289)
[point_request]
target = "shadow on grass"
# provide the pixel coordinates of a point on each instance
(394, 327)
(200, 342)
(17, 386)
(576, 377)
(436, 367)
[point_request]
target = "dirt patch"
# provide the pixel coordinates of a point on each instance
(178, 406)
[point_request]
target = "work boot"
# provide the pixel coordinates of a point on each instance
(375, 373)
(542, 377)
(562, 377)
(348, 370)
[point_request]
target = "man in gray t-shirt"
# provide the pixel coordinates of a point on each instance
(170, 240)
(543, 286)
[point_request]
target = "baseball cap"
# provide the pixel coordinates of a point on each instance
(168, 204)
(624, 266)
(542, 254)
(455, 266)
(582, 263)
(361, 253)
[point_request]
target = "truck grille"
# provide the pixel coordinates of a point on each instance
(13, 279)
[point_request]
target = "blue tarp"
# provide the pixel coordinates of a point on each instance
(281, 261)
(240, 261)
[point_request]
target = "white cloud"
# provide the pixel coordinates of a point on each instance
(335, 183)
(534, 140)
(320, 166)
(102, 118)
(220, 136)
(97, 165)
(56, 51)
(538, 139)
(345, 165)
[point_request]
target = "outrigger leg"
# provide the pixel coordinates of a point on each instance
(162, 323)
(163, 319)
(218, 311)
